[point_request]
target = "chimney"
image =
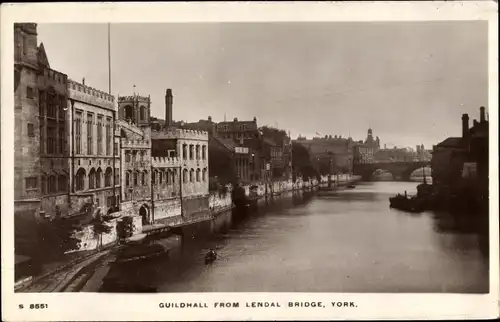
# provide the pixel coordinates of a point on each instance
(465, 126)
(83, 81)
(210, 119)
(168, 108)
(482, 117)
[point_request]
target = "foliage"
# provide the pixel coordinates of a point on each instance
(101, 225)
(302, 161)
(57, 236)
(126, 227)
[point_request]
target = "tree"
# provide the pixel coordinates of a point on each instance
(302, 161)
(101, 225)
(126, 227)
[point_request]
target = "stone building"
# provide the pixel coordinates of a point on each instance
(238, 130)
(135, 155)
(41, 171)
(336, 148)
(94, 160)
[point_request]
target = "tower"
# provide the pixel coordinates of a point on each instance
(135, 109)
(169, 99)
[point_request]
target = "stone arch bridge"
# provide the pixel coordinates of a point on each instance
(400, 170)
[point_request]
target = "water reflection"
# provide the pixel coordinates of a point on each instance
(348, 242)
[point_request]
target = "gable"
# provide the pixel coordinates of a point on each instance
(42, 56)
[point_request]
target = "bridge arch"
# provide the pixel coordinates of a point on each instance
(144, 212)
(399, 170)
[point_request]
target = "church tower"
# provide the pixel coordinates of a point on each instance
(135, 109)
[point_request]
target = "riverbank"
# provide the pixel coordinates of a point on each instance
(351, 241)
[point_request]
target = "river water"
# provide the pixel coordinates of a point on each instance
(350, 241)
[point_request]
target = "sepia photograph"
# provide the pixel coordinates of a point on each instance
(251, 156)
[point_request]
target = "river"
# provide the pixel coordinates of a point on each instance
(348, 242)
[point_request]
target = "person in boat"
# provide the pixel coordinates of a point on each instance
(211, 255)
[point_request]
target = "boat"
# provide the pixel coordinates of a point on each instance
(351, 186)
(140, 252)
(210, 258)
(412, 204)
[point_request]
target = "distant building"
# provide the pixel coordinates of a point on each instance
(460, 164)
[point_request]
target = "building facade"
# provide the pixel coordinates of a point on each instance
(94, 160)
(41, 129)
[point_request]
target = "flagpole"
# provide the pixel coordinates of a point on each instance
(109, 58)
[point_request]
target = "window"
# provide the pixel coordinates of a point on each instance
(99, 134)
(29, 92)
(62, 183)
(116, 148)
(92, 179)
(191, 152)
(78, 132)
(204, 152)
(191, 175)
(80, 179)
(127, 156)
(62, 138)
(197, 175)
(42, 136)
(144, 178)
(51, 108)
(90, 120)
(117, 177)
(62, 107)
(153, 177)
(98, 178)
(31, 183)
(127, 178)
(167, 176)
(52, 184)
(174, 175)
(161, 177)
(108, 136)
(44, 185)
(31, 130)
(41, 103)
(204, 175)
(135, 178)
(51, 139)
(197, 152)
(143, 113)
(185, 175)
(107, 177)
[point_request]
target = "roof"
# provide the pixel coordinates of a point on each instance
(42, 56)
(451, 142)
(227, 143)
(269, 141)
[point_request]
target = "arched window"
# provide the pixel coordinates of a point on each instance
(174, 174)
(62, 183)
(107, 177)
(98, 178)
(44, 185)
(144, 178)
(204, 152)
(204, 177)
(127, 156)
(136, 174)
(184, 151)
(197, 175)
(197, 151)
(127, 178)
(191, 175)
(92, 179)
(143, 113)
(129, 113)
(160, 173)
(153, 176)
(80, 179)
(52, 184)
(185, 175)
(191, 152)
(168, 176)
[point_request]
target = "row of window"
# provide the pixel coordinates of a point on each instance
(194, 152)
(135, 155)
(48, 184)
(94, 178)
(79, 120)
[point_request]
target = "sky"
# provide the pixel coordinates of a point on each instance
(409, 81)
